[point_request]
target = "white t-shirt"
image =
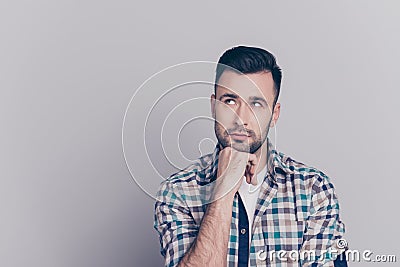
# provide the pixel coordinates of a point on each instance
(249, 195)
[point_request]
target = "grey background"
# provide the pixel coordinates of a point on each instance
(69, 68)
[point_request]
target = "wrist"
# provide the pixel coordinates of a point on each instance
(222, 207)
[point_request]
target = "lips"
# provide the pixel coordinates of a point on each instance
(239, 136)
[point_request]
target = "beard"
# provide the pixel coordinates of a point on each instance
(251, 145)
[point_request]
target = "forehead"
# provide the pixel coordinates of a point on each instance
(258, 84)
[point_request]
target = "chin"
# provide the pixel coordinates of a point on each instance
(241, 146)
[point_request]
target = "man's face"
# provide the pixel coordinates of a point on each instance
(242, 109)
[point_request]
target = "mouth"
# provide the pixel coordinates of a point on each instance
(239, 136)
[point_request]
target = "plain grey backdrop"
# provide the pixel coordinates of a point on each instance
(69, 68)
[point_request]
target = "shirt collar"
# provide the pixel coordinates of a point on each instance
(277, 164)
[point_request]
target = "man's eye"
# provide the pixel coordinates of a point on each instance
(257, 104)
(230, 102)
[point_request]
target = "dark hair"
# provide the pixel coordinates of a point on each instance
(244, 59)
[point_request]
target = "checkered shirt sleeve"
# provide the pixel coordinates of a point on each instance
(174, 223)
(323, 227)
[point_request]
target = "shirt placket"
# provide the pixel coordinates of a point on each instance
(259, 245)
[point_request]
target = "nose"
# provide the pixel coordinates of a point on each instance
(244, 114)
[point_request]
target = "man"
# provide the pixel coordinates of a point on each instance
(247, 204)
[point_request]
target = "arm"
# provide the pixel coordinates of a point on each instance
(210, 247)
(324, 227)
(182, 242)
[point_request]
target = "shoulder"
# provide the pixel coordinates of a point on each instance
(301, 172)
(193, 172)
(188, 180)
(312, 185)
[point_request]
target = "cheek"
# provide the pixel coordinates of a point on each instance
(261, 121)
(225, 114)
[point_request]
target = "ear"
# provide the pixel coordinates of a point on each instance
(212, 102)
(275, 115)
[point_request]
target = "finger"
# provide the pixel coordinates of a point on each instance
(253, 160)
(253, 163)
(249, 175)
(252, 167)
(253, 180)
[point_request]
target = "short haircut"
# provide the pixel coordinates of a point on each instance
(246, 60)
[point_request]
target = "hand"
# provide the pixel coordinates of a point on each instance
(232, 166)
(251, 168)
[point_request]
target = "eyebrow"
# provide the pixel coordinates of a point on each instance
(252, 98)
(257, 98)
(228, 96)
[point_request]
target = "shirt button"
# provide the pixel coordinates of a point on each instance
(242, 231)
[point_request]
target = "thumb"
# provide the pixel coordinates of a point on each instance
(251, 175)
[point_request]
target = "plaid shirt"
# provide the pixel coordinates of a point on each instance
(297, 210)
